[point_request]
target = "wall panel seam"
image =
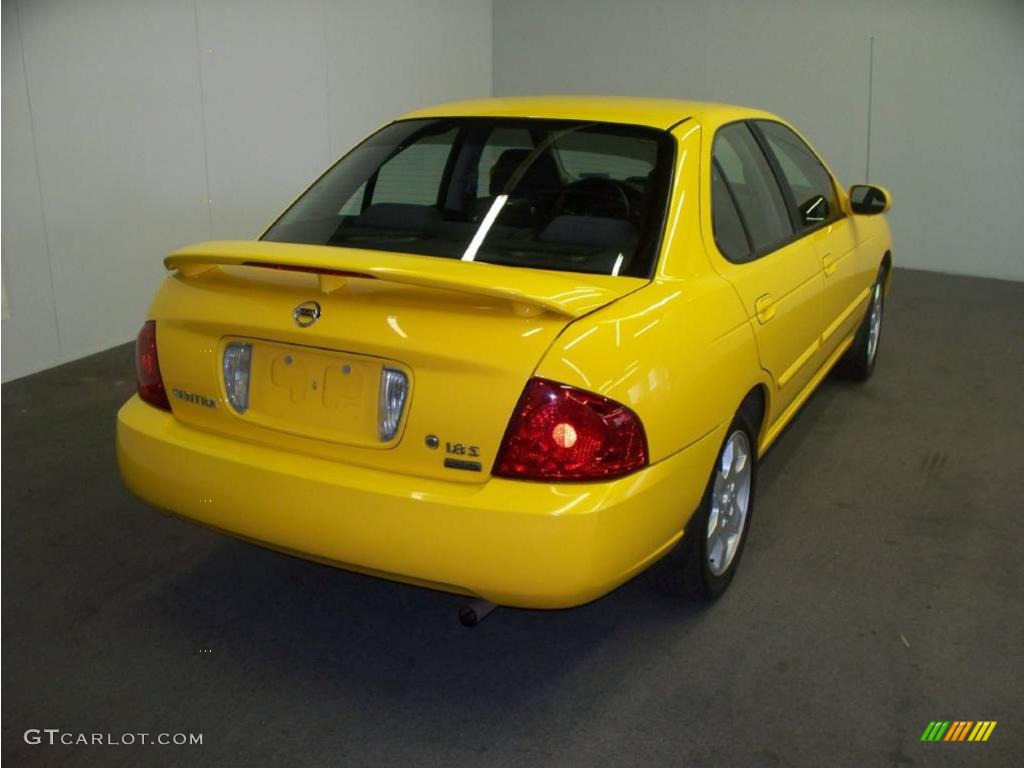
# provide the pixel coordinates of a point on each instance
(39, 186)
(202, 122)
(327, 80)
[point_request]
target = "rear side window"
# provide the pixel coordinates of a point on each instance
(803, 173)
(730, 234)
(750, 179)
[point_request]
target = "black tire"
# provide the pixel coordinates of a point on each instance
(859, 361)
(686, 570)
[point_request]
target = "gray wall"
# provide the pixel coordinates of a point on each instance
(947, 106)
(131, 127)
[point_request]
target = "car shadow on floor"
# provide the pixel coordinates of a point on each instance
(309, 622)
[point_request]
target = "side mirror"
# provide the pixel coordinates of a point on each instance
(814, 211)
(869, 200)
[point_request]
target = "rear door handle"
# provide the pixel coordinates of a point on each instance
(829, 264)
(764, 308)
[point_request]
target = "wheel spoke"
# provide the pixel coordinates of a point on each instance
(742, 498)
(739, 515)
(727, 459)
(740, 460)
(713, 520)
(716, 551)
(727, 540)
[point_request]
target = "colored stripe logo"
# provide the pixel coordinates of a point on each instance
(958, 730)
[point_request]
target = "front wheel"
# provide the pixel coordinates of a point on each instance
(703, 563)
(859, 361)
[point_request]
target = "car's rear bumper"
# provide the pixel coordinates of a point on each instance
(510, 542)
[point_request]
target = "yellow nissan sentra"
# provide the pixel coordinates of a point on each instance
(517, 349)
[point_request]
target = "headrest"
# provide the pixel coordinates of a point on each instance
(588, 230)
(541, 174)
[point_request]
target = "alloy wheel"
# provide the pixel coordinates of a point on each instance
(730, 501)
(874, 321)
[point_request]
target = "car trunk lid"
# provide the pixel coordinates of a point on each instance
(466, 336)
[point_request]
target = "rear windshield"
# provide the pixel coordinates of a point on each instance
(571, 196)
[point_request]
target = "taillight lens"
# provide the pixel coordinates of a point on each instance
(147, 368)
(559, 432)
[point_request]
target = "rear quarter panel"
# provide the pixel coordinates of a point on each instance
(680, 351)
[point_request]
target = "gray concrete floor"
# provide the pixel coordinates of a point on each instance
(881, 589)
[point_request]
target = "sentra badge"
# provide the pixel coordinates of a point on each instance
(195, 399)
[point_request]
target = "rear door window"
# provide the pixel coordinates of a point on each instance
(758, 197)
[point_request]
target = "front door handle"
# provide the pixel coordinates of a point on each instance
(764, 308)
(829, 264)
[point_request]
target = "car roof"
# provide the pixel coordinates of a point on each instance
(656, 113)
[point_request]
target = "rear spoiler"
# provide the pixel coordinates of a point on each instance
(529, 290)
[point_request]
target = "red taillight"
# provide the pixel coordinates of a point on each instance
(559, 432)
(147, 368)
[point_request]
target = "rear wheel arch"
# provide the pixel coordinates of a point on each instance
(755, 405)
(689, 569)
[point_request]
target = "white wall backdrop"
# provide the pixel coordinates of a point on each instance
(947, 106)
(132, 127)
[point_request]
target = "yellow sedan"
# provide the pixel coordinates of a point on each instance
(517, 349)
